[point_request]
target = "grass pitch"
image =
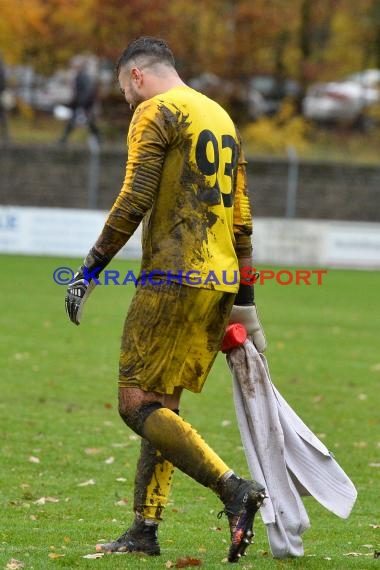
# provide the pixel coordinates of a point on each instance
(67, 462)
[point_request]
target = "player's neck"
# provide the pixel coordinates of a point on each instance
(161, 85)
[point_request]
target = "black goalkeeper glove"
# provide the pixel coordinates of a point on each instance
(83, 283)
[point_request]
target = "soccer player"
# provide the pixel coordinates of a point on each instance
(185, 180)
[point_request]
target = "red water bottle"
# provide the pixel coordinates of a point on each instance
(234, 336)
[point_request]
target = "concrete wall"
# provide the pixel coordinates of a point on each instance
(52, 176)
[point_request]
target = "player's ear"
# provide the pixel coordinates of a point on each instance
(138, 77)
(136, 74)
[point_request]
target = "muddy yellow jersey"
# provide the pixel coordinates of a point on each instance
(185, 178)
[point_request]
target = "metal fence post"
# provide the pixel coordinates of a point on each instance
(293, 177)
(93, 173)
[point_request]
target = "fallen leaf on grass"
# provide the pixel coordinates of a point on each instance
(21, 355)
(121, 479)
(374, 464)
(18, 503)
(374, 525)
(44, 500)
(55, 555)
(92, 450)
(319, 398)
(121, 503)
(86, 483)
(355, 554)
(34, 459)
(95, 555)
(14, 564)
(187, 561)
(183, 562)
(109, 460)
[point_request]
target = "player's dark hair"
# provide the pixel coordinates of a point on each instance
(154, 50)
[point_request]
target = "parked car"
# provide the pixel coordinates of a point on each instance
(247, 98)
(39, 92)
(45, 93)
(343, 101)
(367, 78)
(273, 90)
(236, 95)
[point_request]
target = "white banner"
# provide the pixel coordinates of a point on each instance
(321, 243)
(277, 241)
(356, 246)
(55, 231)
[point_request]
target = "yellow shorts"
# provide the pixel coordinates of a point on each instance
(172, 334)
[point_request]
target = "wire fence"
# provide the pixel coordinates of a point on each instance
(91, 177)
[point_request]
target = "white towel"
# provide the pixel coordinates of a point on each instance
(283, 454)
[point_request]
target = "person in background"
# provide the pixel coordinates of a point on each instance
(83, 104)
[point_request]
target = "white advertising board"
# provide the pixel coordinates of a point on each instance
(284, 242)
(320, 243)
(55, 231)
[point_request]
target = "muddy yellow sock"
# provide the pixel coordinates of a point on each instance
(181, 444)
(153, 482)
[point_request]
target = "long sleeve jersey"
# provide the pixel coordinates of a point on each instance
(186, 181)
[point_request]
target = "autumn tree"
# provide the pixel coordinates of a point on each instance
(44, 34)
(234, 39)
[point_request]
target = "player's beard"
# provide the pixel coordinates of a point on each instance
(135, 98)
